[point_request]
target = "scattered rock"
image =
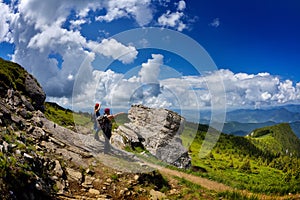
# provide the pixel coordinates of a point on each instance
(58, 169)
(5, 146)
(94, 191)
(157, 195)
(74, 175)
(88, 182)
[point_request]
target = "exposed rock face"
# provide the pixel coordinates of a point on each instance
(158, 131)
(35, 92)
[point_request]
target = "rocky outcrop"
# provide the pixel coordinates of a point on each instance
(13, 78)
(158, 131)
(35, 92)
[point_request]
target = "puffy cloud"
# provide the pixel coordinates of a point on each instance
(39, 28)
(4, 25)
(54, 36)
(7, 16)
(44, 13)
(114, 90)
(174, 19)
(150, 70)
(186, 92)
(138, 9)
(75, 24)
(215, 23)
(170, 19)
(181, 5)
(116, 50)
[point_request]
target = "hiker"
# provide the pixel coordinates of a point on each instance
(96, 124)
(105, 122)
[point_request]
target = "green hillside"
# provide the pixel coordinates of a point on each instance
(278, 139)
(242, 163)
(12, 75)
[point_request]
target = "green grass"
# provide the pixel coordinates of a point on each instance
(236, 195)
(278, 139)
(12, 75)
(238, 162)
(65, 117)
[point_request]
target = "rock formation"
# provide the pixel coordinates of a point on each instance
(158, 131)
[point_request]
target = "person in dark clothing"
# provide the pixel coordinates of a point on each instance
(107, 128)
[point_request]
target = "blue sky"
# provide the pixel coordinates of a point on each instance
(80, 52)
(253, 36)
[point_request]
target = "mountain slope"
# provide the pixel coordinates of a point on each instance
(242, 129)
(246, 163)
(278, 139)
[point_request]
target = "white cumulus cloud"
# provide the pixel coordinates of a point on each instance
(116, 50)
(138, 9)
(38, 30)
(150, 70)
(174, 19)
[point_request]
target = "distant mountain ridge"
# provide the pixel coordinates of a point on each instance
(278, 115)
(243, 121)
(242, 129)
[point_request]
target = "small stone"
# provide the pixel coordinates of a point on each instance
(5, 146)
(157, 195)
(136, 177)
(54, 178)
(58, 170)
(27, 156)
(73, 174)
(94, 191)
(43, 144)
(89, 179)
(121, 193)
(60, 186)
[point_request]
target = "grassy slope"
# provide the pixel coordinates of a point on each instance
(241, 163)
(66, 117)
(278, 139)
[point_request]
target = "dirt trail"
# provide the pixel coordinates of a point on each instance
(208, 184)
(215, 186)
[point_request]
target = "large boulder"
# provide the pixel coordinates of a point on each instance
(158, 131)
(35, 92)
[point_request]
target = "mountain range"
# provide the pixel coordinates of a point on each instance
(288, 113)
(243, 121)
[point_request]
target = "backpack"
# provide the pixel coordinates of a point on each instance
(104, 122)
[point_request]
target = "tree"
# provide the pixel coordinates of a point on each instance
(246, 166)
